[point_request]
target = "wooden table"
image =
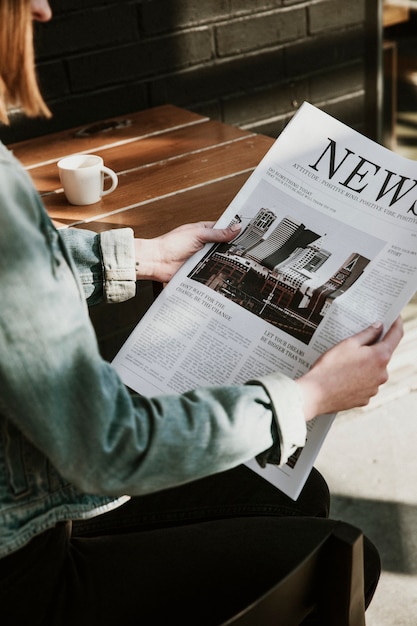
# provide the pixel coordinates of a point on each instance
(174, 167)
(394, 12)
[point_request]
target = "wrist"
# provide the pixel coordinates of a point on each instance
(312, 397)
(145, 264)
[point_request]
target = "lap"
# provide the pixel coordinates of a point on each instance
(194, 554)
(237, 492)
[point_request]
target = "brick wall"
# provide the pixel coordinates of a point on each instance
(246, 62)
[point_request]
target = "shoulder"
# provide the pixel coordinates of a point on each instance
(18, 196)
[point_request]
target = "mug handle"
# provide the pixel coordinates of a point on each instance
(114, 179)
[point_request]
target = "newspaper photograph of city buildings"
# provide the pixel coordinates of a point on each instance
(272, 270)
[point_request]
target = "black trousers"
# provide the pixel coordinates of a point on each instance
(193, 555)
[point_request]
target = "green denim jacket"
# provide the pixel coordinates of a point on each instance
(74, 441)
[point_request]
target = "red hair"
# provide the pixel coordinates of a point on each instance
(18, 80)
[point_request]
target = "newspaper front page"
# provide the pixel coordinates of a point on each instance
(327, 246)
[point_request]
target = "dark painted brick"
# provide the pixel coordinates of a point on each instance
(116, 65)
(217, 80)
(157, 16)
(80, 110)
(100, 58)
(271, 127)
(333, 49)
(335, 14)
(265, 103)
(248, 6)
(212, 109)
(53, 79)
(256, 32)
(88, 30)
(338, 82)
(102, 104)
(67, 6)
(350, 111)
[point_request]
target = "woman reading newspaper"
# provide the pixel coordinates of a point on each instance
(120, 509)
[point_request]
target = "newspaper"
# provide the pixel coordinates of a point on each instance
(327, 246)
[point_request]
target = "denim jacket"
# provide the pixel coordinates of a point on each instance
(74, 442)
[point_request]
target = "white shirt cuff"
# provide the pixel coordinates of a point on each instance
(287, 402)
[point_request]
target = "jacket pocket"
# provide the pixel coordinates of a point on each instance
(15, 459)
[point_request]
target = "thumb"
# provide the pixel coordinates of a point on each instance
(220, 234)
(369, 335)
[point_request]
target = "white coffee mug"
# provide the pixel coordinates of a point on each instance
(82, 177)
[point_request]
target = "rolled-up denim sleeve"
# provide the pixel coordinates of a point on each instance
(105, 263)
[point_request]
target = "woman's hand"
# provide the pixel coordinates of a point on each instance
(159, 258)
(350, 373)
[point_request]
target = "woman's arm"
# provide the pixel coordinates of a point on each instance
(110, 263)
(346, 376)
(159, 258)
(349, 374)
